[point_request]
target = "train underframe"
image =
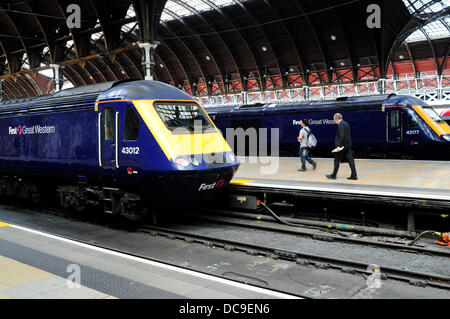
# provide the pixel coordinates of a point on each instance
(77, 197)
(134, 201)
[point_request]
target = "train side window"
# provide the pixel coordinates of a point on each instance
(132, 123)
(109, 123)
(412, 121)
(394, 119)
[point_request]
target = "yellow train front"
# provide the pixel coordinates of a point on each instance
(157, 141)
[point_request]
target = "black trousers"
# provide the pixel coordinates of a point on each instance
(345, 154)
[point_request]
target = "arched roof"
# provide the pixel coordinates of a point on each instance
(217, 46)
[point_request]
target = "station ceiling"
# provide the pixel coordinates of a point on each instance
(218, 46)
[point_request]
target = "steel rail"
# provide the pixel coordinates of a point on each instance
(324, 262)
(266, 222)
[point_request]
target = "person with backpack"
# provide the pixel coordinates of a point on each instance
(307, 140)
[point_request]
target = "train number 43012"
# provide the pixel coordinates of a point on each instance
(130, 150)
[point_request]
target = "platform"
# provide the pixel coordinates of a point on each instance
(38, 265)
(424, 183)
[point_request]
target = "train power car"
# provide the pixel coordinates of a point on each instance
(382, 125)
(116, 144)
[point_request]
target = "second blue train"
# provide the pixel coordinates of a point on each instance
(388, 126)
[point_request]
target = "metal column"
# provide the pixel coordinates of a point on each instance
(58, 76)
(148, 58)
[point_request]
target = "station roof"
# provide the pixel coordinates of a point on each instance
(210, 46)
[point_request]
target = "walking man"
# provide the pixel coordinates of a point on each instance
(343, 150)
(304, 150)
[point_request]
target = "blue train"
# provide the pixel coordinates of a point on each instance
(382, 126)
(116, 144)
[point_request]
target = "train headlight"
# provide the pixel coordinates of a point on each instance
(195, 161)
(231, 157)
(446, 137)
(181, 161)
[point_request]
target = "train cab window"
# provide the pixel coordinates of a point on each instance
(109, 124)
(412, 121)
(394, 119)
(132, 123)
(186, 115)
(432, 113)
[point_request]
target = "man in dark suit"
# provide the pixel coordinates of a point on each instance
(343, 150)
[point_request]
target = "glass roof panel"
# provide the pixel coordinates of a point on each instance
(130, 13)
(197, 5)
(434, 30)
(165, 17)
(179, 9)
(426, 6)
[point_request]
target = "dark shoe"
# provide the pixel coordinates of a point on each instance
(302, 170)
(353, 178)
(314, 165)
(331, 176)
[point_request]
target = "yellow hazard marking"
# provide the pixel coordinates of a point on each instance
(240, 181)
(2, 224)
(187, 143)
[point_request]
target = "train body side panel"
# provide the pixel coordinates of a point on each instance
(367, 127)
(58, 144)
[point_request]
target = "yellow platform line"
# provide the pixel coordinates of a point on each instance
(2, 224)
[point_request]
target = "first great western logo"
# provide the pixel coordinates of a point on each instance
(31, 130)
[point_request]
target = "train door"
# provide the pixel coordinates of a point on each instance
(108, 137)
(394, 126)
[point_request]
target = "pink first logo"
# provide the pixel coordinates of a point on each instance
(19, 130)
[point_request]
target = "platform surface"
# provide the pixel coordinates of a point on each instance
(37, 265)
(403, 178)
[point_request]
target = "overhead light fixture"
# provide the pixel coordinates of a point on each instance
(342, 64)
(161, 65)
(208, 57)
(333, 37)
(264, 48)
(401, 56)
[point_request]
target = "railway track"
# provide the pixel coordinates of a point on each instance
(305, 259)
(326, 233)
(347, 266)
